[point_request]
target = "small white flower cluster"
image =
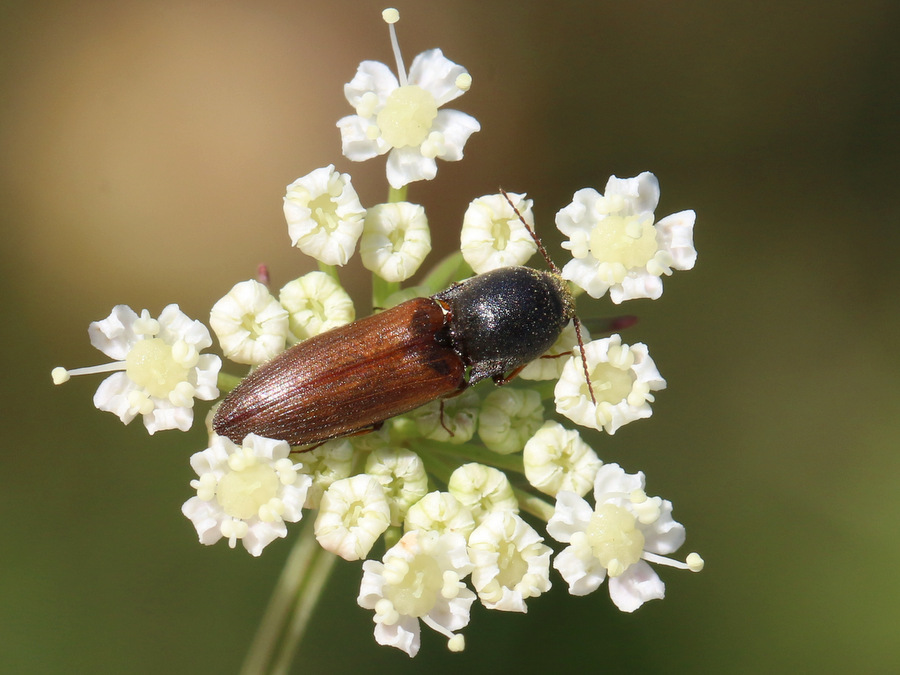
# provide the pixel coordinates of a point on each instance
(387, 484)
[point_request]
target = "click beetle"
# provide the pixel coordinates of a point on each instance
(352, 378)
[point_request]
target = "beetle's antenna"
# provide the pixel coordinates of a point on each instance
(555, 270)
(537, 239)
(587, 375)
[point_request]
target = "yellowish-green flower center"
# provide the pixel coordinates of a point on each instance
(500, 233)
(513, 566)
(627, 240)
(415, 595)
(610, 384)
(324, 212)
(614, 538)
(397, 237)
(242, 492)
(151, 365)
(407, 116)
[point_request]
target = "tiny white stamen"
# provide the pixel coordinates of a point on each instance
(392, 16)
(463, 82)
(61, 375)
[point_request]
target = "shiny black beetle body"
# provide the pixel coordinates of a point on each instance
(352, 378)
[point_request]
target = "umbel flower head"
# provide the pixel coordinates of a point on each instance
(161, 368)
(401, 115)
(462, 492)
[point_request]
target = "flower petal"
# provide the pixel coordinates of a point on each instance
(406, 165)
(676, 234)
(636, 586)
(436, 74)
(355, 143)
(371, 76)
(456, 127)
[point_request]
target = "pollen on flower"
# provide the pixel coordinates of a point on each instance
(390, 15)
(463, 82)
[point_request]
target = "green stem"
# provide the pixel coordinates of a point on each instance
(382, 290)
(295, 578)
(474, 453)
(305, 602)
(330, 270)
(395, 195)
(536, 506)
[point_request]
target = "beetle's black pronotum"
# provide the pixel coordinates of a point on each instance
(352, 378)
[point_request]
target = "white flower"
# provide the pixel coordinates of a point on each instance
(251, 325)
(510, 562)
(483, 489)
(452, 419)
(550, 365)
(352, 515)
(508, 418)
(402, 475)
(493, 236)
(163, 368)
(558, 459)
(315, 303)
(615, 244)
(324, 215)
(395, 240)
(616, 538)
(245, 492)
(420, 578)
(622, 377)
(325, 464)
(402, 117)
(440, 512)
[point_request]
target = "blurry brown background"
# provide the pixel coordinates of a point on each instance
(145, 148)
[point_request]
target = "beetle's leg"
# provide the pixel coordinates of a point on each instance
(443, 423)
(501, 379)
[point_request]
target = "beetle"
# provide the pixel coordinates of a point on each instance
(351, 379)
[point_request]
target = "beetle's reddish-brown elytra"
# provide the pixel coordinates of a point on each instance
(352, 378)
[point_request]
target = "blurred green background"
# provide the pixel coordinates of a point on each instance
(145, 149)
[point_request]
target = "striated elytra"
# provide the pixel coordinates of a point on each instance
(351, 379)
